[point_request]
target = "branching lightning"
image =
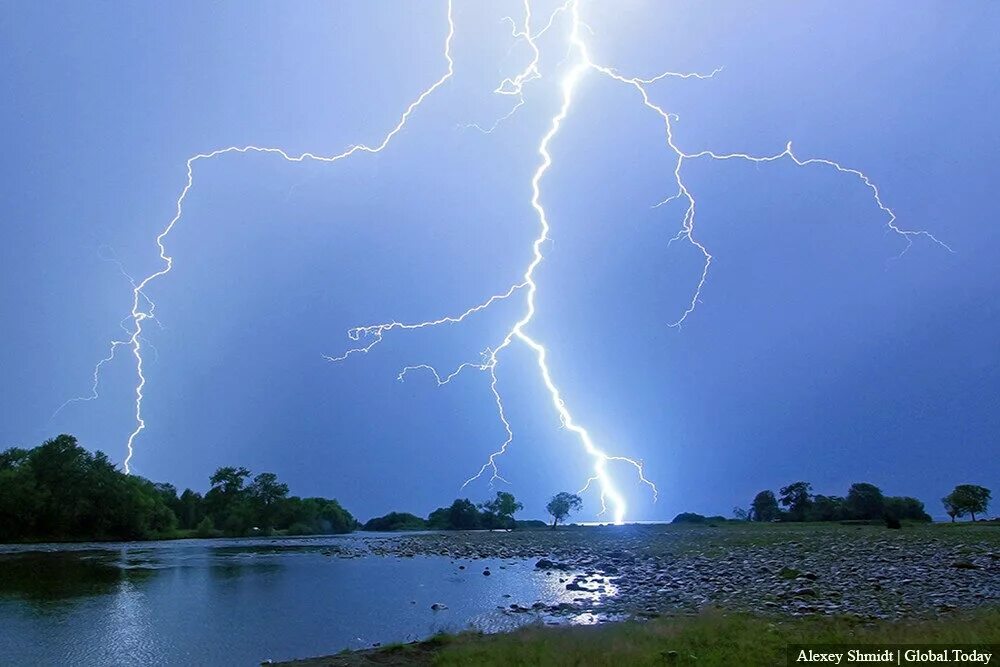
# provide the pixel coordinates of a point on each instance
(577, 64)
(139, 314)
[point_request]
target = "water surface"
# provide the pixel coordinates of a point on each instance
(210, 602)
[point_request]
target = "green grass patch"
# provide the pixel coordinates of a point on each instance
(711, 638)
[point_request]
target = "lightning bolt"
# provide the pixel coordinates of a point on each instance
(369, 336)
(142, 308)
(514, 86)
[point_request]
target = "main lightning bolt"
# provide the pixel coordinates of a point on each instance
(514, 86)
(367, 337)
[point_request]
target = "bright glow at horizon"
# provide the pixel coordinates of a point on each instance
(579, 63)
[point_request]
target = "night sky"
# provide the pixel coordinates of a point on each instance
(813, 354)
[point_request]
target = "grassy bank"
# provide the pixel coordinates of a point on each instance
(711, 638)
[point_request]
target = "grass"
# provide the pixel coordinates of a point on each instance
(710, 638)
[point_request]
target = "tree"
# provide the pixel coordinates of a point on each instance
(796, 497)
(561, 505)
(59, 490)
(190, 509)
(827, 508)
(395, 521)
(503, 507)
(865, 501)
(461, 515)
(741, 514)
(266, 493)
(904, 508)
(969, 499)
(226, 502)
(205, 528)
(764, 507)
(951, 507)
(229, 481)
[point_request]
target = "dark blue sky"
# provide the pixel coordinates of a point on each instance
(812, 356)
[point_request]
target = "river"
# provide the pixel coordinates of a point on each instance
(243, 601)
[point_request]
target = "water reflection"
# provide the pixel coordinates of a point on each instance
(54, 577)
(218, 601)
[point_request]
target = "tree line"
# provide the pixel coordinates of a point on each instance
(463, 514)
(864, 502)
(60, 491)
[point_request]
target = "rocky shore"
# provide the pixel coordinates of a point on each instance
(864, 571)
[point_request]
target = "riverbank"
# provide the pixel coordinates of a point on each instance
(793, 569)
(709, 638)
(732, 593)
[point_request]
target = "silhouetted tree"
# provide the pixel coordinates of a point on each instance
(796, 497)
(865, 501)
(904, 508)
(461, 515)
(502, 509)
(969, 499)
(561, 505)
(951, 508)
(396, 521)
(190, 509)
(764, 507)
(59, 490)
(827, 508)
(266, 494)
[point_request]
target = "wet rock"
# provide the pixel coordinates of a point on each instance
(574, 586)
(965, 565)
(438, 606)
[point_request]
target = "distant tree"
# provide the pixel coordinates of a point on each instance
(561, 505)
(205, 528)
(689, 517)
(951, 508)
(226, 501)
(438, 519)
(463, 515)
(315, 516)
(59, 490)
(827, 508)
(229, 481)
(796, 497)
(969, 499)
(904, 508)
(865, 501)
(740, 514)
(460, 515)
(190, 509)
(266, 494)
(764, 507)
(503, 508)
(395, 521)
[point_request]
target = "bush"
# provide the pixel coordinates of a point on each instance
(205, 528)
(299, 528)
